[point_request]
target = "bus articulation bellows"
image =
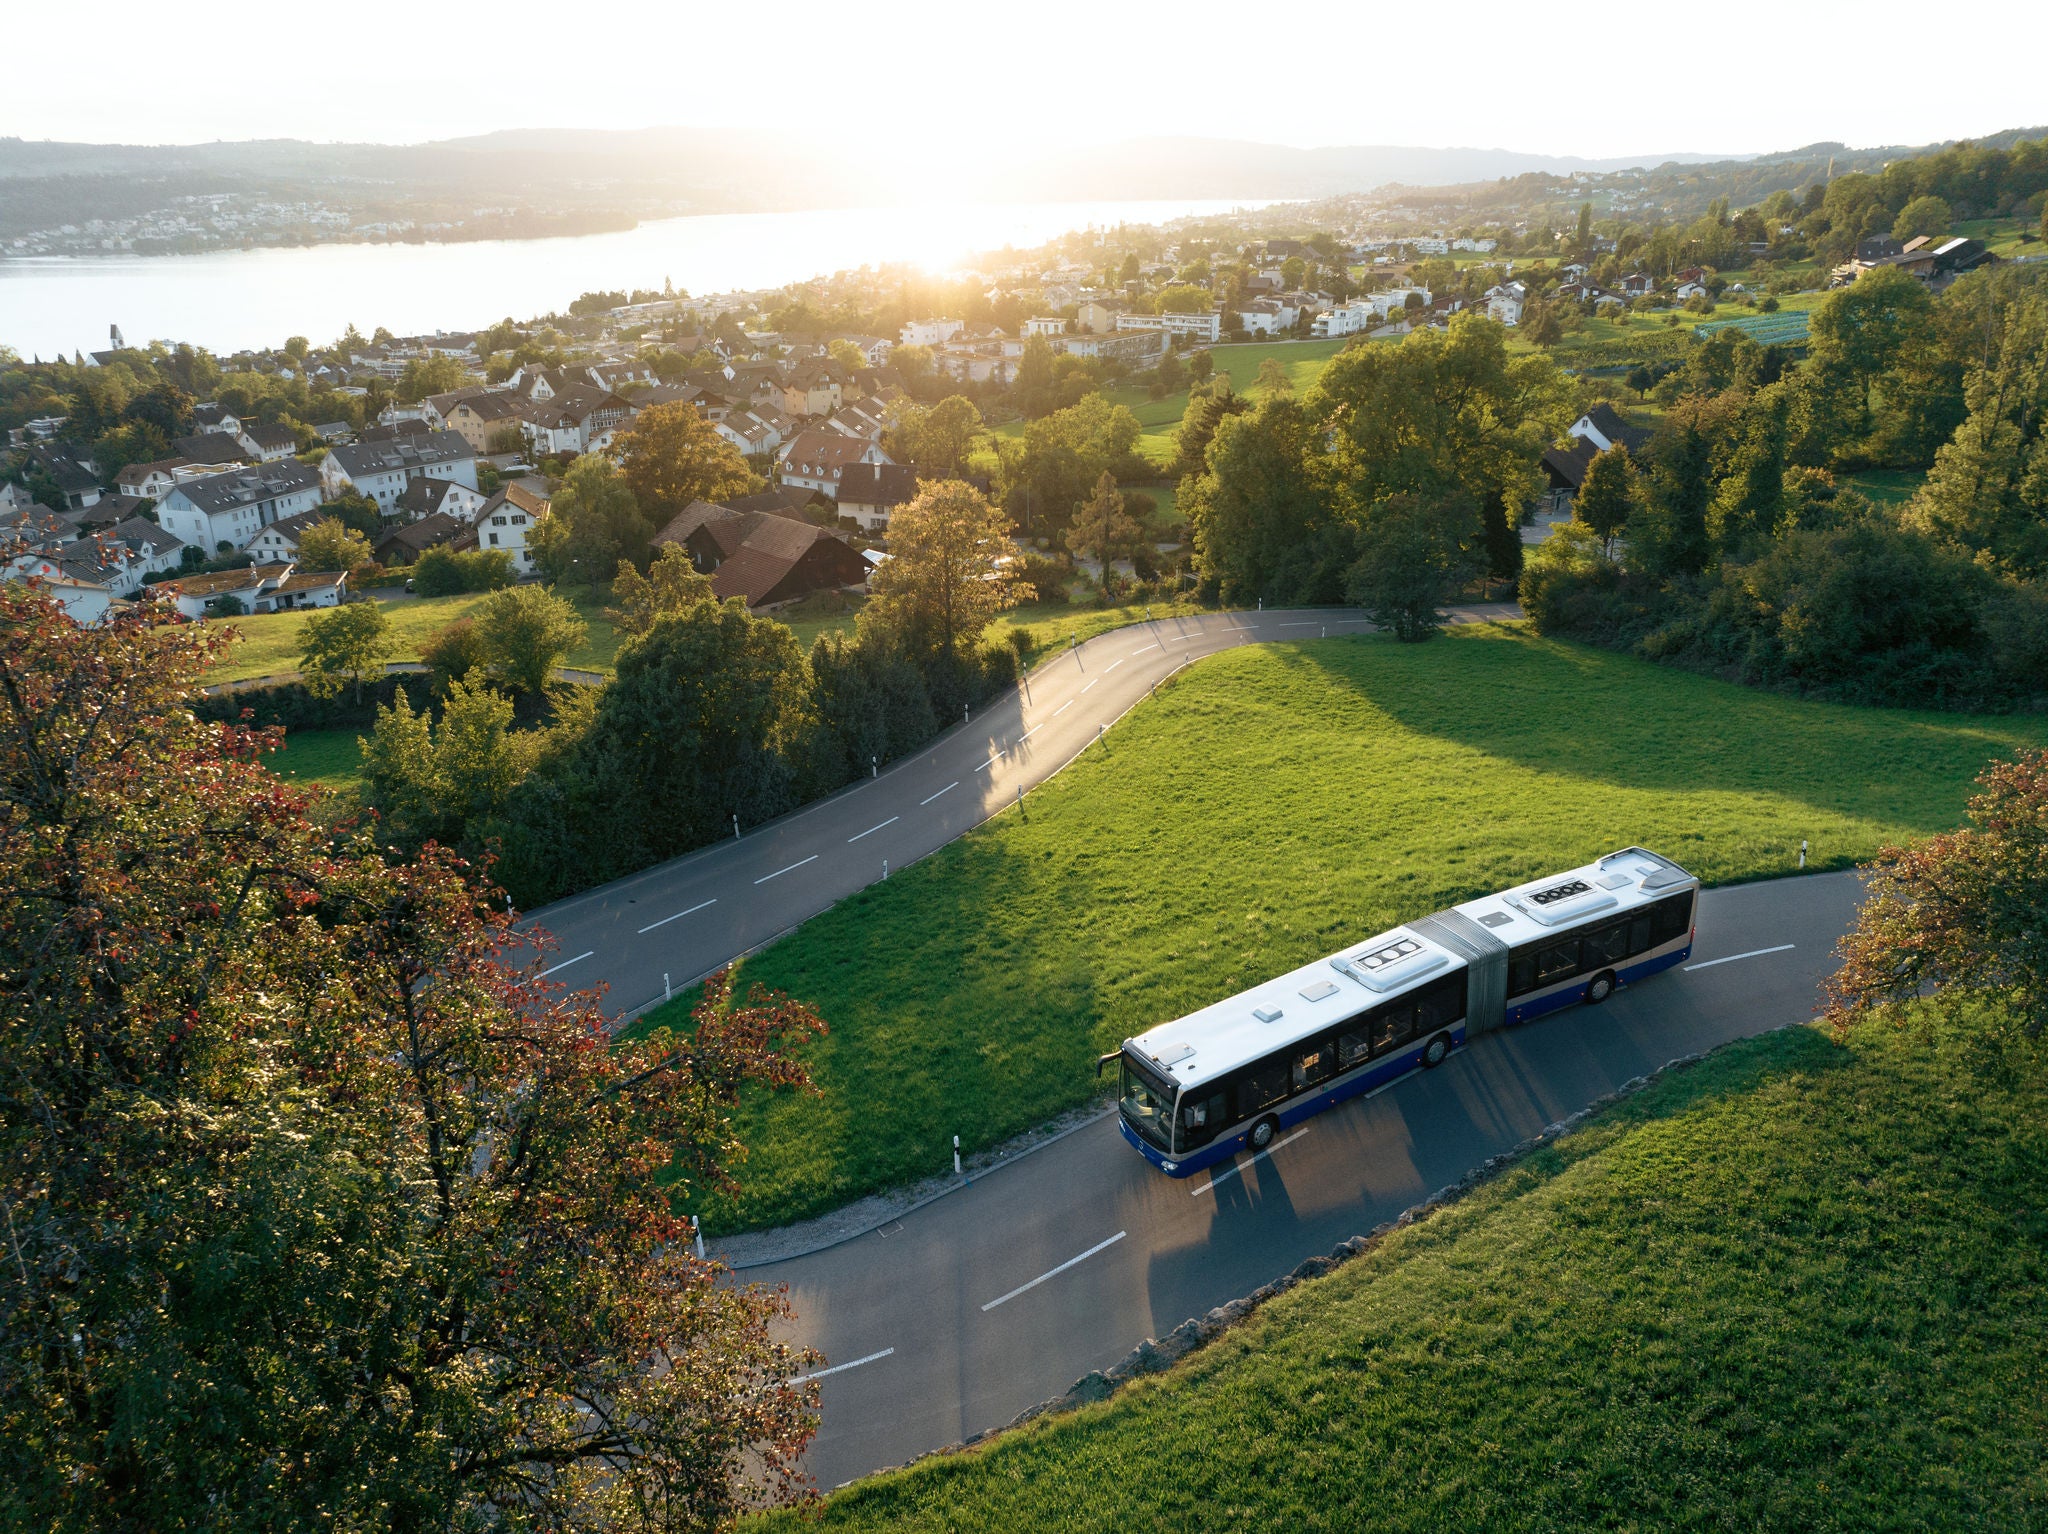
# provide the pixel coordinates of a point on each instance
(1235, 1074)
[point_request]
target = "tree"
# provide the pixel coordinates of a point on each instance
(256, 1071)
(1063, 456)
(453, 653)
(446, 572)
(164, 406)
(1102, 529)
(947, 573)
(343, 642)
(847, 355)
(1608, 495)
(595, 520)
(1261, 495)
(1273, 377)
(937, 440)
(354, 509)
(430, 375)
(524, 632)
(672, 457)
(704, 721)
(1960, 914)
(1923, 215)
(1206, 410)
(670, 585)
(1881, 321)
(1414, 560)
(1201, 365)
(330, 544)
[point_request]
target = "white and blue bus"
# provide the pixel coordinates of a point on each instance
(1235, 1074)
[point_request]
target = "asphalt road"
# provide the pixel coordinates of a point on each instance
(965, 1312)
(675, 923)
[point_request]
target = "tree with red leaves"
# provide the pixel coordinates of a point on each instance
(317, 1209)
(1959, 916)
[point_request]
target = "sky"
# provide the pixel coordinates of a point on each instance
(1626, 81)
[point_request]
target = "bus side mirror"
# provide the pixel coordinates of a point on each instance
(1102, 1060)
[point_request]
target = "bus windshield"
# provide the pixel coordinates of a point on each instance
(1148, 1106)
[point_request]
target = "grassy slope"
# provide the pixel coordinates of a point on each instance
(1272, 803)
(1795, 1287)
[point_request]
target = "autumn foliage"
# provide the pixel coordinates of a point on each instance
(320, 1205)
(1960, 915)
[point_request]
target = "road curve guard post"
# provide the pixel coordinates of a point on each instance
(956, 1155)
(1802, 852)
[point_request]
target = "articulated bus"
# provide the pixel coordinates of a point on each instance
(1235, 1074)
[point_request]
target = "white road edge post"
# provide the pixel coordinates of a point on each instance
(697, 1233)
(956, 1155)
(885, 870)
(1802, 852)
(666, 993)
(735, 825)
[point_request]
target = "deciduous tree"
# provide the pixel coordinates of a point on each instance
(524, 632)
(331, 544)
(321, 1212)
(946, 577)
(344, 643)
(1963, 914)
(1102, 529)
(1415, 556)
(670, 585)
(672, 457)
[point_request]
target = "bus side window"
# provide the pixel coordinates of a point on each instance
(1353, 1048)
(1639, 932)
(1670, 918)
(1606, 945)
(1440, 1004)
(1557, 961)
(1263, 1084)
(1521, 971)
(1312, 1066)
(1393, 1025)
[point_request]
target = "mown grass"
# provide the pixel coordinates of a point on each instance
(271, 643)
(329, 758)
(1272, 803)
(1794, 1287)
(1890, 488)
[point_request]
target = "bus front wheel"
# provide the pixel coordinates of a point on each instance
(1600, 987)
(1263, 1132)
(1437, 1050)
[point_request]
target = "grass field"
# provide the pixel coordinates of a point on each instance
(271, 645)
(1271, 804)
(1160, 418)
(330, 758)
(1794, 1287)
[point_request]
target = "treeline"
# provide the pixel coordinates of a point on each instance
(1732, 546)
(1399, 477)
(716, 717)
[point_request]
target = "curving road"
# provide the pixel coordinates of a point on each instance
(964, 1312)
(672, 924)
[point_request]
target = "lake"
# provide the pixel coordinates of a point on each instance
(230, 300)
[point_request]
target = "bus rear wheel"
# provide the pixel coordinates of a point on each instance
(1263, 1132)
(1436, 1051)
(1600, 987)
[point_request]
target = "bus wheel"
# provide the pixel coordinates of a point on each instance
(1600, 987)
(1263, 1132)
(1436, 1051)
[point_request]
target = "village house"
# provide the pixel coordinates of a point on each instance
(267, 444)
(279, 542)
(259, 589)
(1134, 348)
(930, 332)
(1096, 316)
(761, 557)
(71, 474)
(381, 470)
(426, 496)
(811, 391)
(1206, 327)
(478, 418)
(218, 448)
(505, 522)
(817, 458)
(577, 418)
(404, 544)
(227, 510)
(869, 492)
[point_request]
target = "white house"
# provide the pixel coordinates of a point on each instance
(259, 589)
(231, 508)
(382, 470)
(1505, 302)
(816, 459)
(267, 444)
(1047, 325)
(930, 332)
(1347, 319)
(507, 519)
(1207, 326)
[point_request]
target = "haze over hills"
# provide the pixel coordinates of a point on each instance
(527, 181)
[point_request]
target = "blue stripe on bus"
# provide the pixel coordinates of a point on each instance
(1570, 995)
(1289, 1114)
